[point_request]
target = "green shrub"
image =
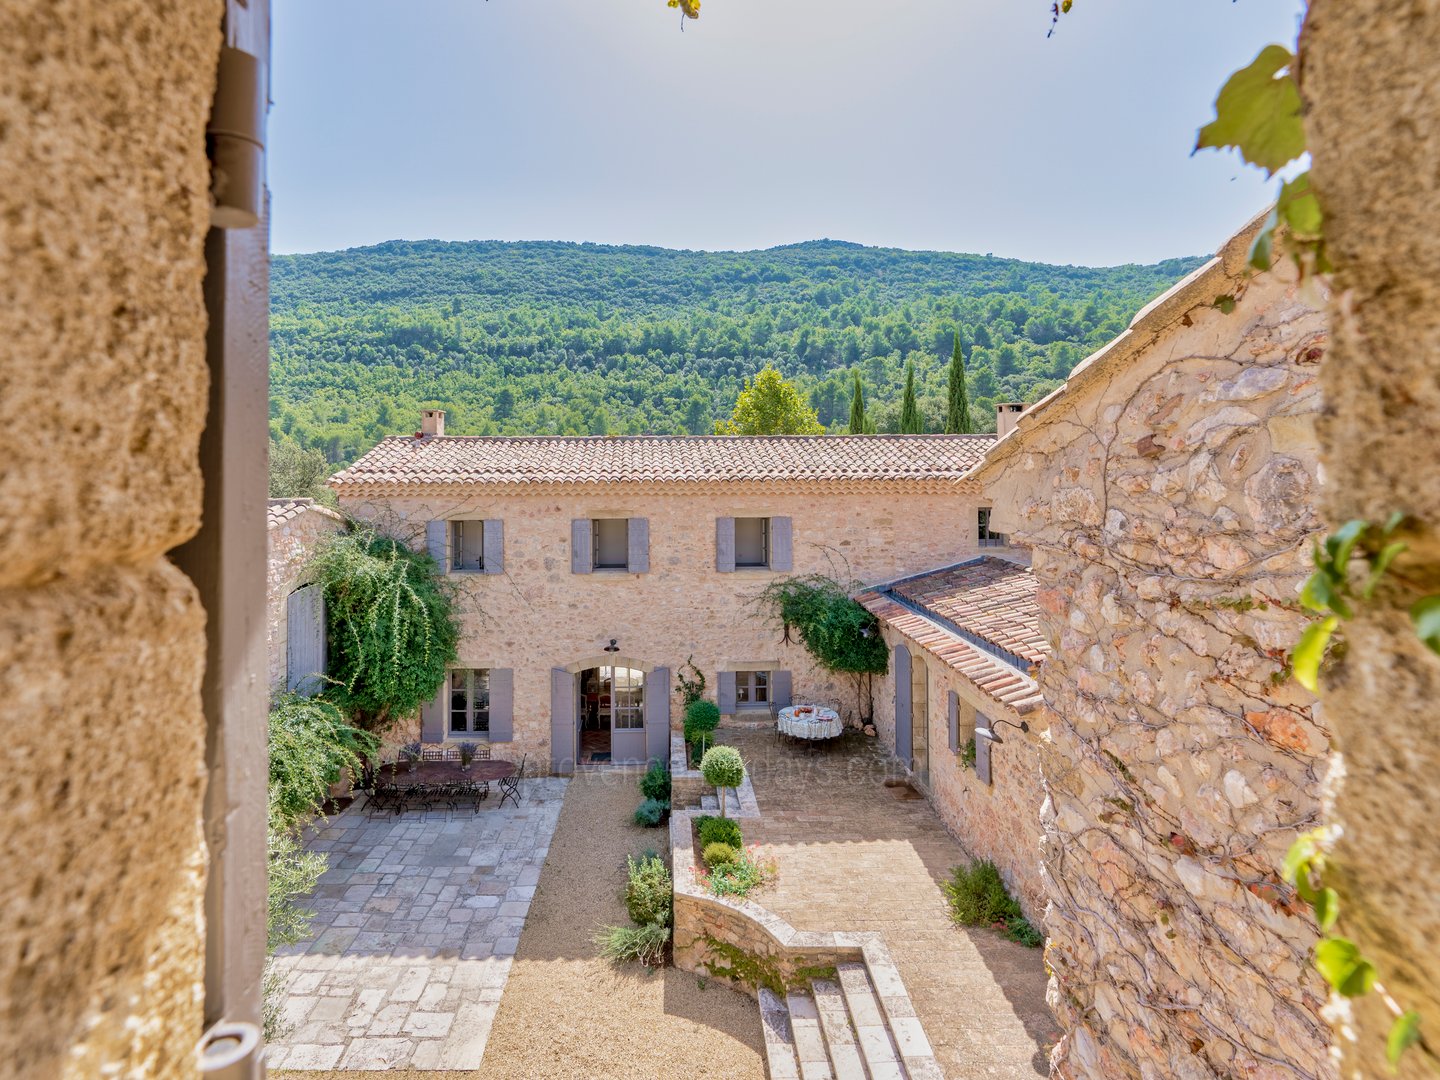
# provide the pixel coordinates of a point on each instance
(722, 767)
(717, 854)
(311, 744)
(702, 715)
(698, 746)
(627, 944)
(655, 784)
(967, 753)
(651, 813)
(741, 877)
(978, 897)
(718, 830)
(649, 891)
(691, 690)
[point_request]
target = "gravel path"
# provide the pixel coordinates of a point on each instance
(566, 1014)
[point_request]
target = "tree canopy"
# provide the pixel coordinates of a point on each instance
(770, 406)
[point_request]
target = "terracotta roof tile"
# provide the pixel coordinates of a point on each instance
(544, 460)
(279, 511)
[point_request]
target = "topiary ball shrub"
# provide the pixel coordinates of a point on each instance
(718, 854)
(718, 830)
(649, 891)
(655, 784)
(722, 767)
(651, 812)
(701, 718)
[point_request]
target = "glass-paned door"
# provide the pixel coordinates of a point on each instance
(627, 713)
(919, 721)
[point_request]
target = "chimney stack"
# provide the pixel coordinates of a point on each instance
(432, 421)
(1007, 413)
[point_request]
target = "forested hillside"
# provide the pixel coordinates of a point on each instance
(531, 338)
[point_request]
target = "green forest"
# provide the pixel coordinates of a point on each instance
(589, 339)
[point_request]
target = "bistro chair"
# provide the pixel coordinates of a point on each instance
(510, 785)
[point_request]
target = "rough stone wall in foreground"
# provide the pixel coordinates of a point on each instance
(1170, 501)
(103, 213)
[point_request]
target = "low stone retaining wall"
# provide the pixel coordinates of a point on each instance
(686, 784)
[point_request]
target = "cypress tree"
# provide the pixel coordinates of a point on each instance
(857, 408)
(910, 422)
(957, 420)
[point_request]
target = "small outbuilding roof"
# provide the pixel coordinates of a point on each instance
(279, 511)
(979, 617)
(940, 460)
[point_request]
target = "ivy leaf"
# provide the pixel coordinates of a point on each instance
(1425, 613)
(1327, 908)
(1298, 207)
(1339, 960)
(1341, 543)
(1381, 564)
(1305, 660)
(1301, 854)
(1404, 1033)
(1258, 112)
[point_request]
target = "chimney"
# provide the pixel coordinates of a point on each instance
(1007, 413)
(432, 421)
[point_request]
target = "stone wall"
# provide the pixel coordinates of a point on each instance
(292, 543)
(999, 821)
(538, 615)
(104, 208)
(1169, 494)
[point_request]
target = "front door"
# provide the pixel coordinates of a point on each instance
(627, 715)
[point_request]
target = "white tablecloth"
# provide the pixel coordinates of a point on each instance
(822, 723)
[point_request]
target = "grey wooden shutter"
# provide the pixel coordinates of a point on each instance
(657, 714)
(781, 543)
(637, 534)
(781, 691)
(903, 745)
(725, 545)
(432, 714)
(563, 730)
(952, 711)
(502, 703)
(437, 542)
(725, 691)
(494, 536)
(305, 640)
(582, 554)
(982, 747)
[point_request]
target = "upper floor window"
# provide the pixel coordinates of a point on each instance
(467, 546)
(752, 688)
(469, 701)
(752, 542)
(612, 543)
(986, 536)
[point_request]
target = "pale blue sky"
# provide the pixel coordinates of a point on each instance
(945, 124)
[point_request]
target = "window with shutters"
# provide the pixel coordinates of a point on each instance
(612, 543)
(985, 536)
(467, 547)
(469, 701)
(752, 689)
(752, 542)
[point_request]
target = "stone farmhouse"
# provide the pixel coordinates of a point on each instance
(592, 568)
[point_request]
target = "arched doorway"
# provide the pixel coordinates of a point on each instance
(609, 709)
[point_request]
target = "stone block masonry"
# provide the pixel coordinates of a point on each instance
(1168, 492)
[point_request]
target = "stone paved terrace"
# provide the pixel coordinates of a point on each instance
(417, 922)
(856, 855)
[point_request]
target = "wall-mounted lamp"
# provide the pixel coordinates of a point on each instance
(865, 631)
(612, 647)
(989, 735)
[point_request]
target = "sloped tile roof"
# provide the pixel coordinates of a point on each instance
(956, 611)
(991, 598)
(664, 459)
(279, 511)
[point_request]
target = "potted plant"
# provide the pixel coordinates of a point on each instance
(410, 754)
(467, 755)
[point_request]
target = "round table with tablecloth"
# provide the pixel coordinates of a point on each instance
(809, 722)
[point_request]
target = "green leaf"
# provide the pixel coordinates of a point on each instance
(1327, 908)
(1425, 613)
(1258, 112)
(1225, 303)
(1341, 543)
(1305, 660)
(1298, 207)
(1404, 1033)
(1381, 564)
(1339, 960)
(1261, 253)
(1302, 852)
(1392, 522)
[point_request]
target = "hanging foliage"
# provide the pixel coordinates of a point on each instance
(311, 744)
(393, 626)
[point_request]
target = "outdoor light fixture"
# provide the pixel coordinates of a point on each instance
(612, 647)
(865, 631)
(989, 735)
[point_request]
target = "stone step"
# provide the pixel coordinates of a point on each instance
(710, 804)
(882, 1058)
(780, 1060)
(809, 1040)
(845, 1060)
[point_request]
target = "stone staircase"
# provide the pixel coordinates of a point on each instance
(840, 1030)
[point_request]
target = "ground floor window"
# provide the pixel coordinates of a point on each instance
(470, 701)
(628, 690)
(752, 688)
